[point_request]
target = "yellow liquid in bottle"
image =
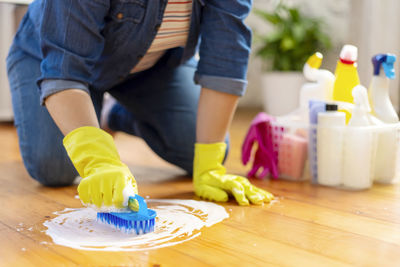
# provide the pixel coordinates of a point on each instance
(346, 79)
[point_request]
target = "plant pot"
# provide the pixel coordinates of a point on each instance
(280, 91)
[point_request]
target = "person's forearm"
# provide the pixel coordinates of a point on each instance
(214, 115)
(71, 109)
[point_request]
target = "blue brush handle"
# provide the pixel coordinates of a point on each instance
(142, 205)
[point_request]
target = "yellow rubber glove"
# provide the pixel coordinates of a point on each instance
(95, 157)
(211, 181)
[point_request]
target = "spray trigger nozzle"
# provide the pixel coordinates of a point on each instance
(388, 66)
(387, 63)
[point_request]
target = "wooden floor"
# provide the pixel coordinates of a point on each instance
(308, 226)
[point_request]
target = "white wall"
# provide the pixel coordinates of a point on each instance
(374, 28)
(6, 33)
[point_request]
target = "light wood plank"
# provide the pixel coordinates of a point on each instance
(9, 150)
(19, 250)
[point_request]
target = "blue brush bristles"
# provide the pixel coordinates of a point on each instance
(142, 222)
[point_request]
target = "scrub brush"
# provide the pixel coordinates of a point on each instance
(141, 221)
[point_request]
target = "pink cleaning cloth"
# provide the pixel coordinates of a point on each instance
(261, 132)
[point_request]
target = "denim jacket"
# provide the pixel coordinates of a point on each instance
(94, 44)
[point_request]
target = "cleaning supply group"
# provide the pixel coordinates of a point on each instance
(348, 134)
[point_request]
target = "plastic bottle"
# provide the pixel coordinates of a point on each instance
(361, 107)
(379, 88)
(359, 144)
(321, 85)
(386, 154)
(346, 76)
(329, 145)
(314, 107)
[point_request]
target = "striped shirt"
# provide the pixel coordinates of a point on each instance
(173, 32)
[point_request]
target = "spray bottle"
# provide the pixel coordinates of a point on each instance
(321, 85)
(361, 109)
(359, 144)
(379, 88)
(386, 154)
(346, 76)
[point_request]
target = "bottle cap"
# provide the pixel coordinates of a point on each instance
(348, 55)
(315, 60)
(331, 107)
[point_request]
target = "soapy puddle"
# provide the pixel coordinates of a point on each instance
(177, 221)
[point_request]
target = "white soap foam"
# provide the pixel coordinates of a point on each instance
(177, 221)
(128, 191)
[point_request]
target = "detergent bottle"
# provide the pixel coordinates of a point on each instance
(346, 76)
(358, 148)
(379, 88)
(330, 145)
(321, 85)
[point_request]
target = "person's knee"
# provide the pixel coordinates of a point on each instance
(49, 170)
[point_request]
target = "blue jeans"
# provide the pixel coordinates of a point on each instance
(158, 105)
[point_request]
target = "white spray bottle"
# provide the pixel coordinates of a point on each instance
(379, 88)
(386, 154)
(358, 143)
(359, 117)
(321, 85)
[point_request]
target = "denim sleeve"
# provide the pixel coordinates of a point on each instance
(225, 46)
(71, 43)
(52, 86)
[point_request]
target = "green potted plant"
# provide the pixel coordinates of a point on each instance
(284, 50)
